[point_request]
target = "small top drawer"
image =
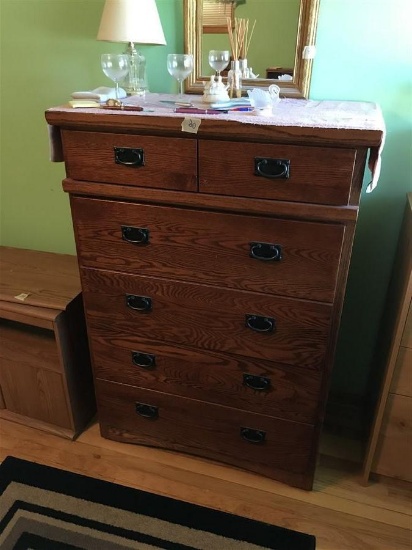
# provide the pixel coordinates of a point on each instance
(144, 161)
(283, 172)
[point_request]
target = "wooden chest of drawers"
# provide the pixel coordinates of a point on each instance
(213, 270)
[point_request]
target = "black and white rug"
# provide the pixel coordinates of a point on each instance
(44, 508)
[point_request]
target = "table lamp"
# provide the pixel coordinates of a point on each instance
(133, 22)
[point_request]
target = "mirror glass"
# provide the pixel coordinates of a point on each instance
(277, 33)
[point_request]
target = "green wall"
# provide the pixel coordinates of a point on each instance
(364, 53)
(48, 50)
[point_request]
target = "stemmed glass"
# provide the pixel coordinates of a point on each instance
(115, 66)
(219, 60)
(180, 65)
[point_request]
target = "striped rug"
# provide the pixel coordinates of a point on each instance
(44, 508)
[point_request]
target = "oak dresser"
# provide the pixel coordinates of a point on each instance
(214, 253)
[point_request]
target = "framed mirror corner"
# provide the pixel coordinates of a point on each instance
(280, 32)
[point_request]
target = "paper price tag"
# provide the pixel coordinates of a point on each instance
(191, 125)
(22, 296)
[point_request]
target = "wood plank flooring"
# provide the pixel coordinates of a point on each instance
(340, 512)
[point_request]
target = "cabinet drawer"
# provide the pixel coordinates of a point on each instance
(255, 385)
(257, 442)
(144, 161)
(319, 175)
(290, 258)
(245, 323)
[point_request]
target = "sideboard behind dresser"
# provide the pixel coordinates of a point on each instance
(213, 261)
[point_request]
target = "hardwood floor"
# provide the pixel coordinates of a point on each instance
(340, 512)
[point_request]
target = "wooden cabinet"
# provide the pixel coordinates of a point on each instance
(45, 373)
(213, 270)
(390, 446)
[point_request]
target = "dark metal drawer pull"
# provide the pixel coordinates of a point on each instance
(139, 303)
(259, 323)
(144, 360)
(147, 411)
(266, 252)
(258, 383)
(135, 235)
(129, 156)
(272, 168)
(253, 436)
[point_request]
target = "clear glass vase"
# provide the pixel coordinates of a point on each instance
(234, 79)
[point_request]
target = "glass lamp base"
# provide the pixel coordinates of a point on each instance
(135, 83)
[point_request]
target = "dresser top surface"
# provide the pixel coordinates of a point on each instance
(36, 278)
(338, 122)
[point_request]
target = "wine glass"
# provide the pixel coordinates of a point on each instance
(219, 60)
(115, 66)
(180, 65)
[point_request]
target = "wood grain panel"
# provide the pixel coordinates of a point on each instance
(242, 205)
(213, 128)
(212, 377)
(393, 455)
(50, 280)
(207, 317)
(22, 344)
(168, 163)
(201, 428)
(211, 248)
(402, 376)
(317, 175)
(30, 374)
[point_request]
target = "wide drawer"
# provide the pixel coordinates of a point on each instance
(144, 161)
(286, 257)
(319, 175)
(255, 442)
(259, 386)
(278, 329)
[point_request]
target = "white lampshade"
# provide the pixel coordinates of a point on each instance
(134, 21)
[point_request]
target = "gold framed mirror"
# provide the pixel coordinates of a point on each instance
(298, 29)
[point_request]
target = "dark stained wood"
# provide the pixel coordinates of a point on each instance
(281, 209)
(210, 317)
(197, 270)
(168, 164)
(213, 377)
(358, 172)
(317, 175)
(210, 247)
(213, 431)
(139, 123)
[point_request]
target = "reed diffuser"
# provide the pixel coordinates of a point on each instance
(245, 48)
(239, 40)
